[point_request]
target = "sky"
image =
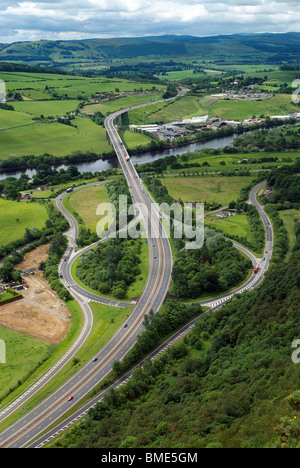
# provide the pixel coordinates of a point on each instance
(78, 19)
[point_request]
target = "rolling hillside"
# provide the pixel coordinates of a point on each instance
(273, 48)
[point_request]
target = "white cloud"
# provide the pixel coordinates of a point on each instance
(73, 19)
(28, 9)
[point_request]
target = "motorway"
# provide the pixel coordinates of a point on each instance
(152, 298)
(55, 406)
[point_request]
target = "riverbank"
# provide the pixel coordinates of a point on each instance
(93, 162)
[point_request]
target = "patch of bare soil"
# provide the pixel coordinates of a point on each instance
(41, 313)
(34, 258)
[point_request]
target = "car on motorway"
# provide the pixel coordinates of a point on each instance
(126, 325)
(95, 359)
(71, 398)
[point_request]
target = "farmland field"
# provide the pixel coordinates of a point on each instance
(183, 75)
(58, 139)
(53, 138)
(23, 353)
(48, 108)
(220, 190)
(70, 85)
(186, 107)
(85, 203)
(15, 217)
(9, 119)
(240, 161)
(55, 96)
(242, 110)
(129, 101)
(278, 76)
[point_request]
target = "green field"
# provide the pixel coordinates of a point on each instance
(15, 217)
(54, 96)
(9, 119)
(48, 108)
(129, 101)
(185, 74)
(85, 203)
(235, 109)
(23, 353)
(186, 107)
(69, 85)
(133, 139)
(53, 138)
(55, 190)
(220, 190)
(277, 76)
(290, 217)
(233, 162)
(235, 225)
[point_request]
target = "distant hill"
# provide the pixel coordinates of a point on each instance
(271, 48)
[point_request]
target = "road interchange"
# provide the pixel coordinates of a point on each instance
(160, 269)
(152, 298)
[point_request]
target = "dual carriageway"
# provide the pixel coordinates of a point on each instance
(41, 424)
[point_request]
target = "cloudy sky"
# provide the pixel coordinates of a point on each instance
(78, 19)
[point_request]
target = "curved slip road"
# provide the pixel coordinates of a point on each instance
(159, 279)
(39, 419)
(214, 305)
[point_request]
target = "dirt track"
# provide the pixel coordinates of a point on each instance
(41, 313)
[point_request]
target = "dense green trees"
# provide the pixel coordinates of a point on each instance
(159, 191)
(285, 185)
(56, 250)
(216, 267)
(170, 92)
(98, 118)
(111, 267)
(229, 383)
(269, 140)
(281, 241)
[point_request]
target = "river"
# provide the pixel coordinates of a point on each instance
(101, 165)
